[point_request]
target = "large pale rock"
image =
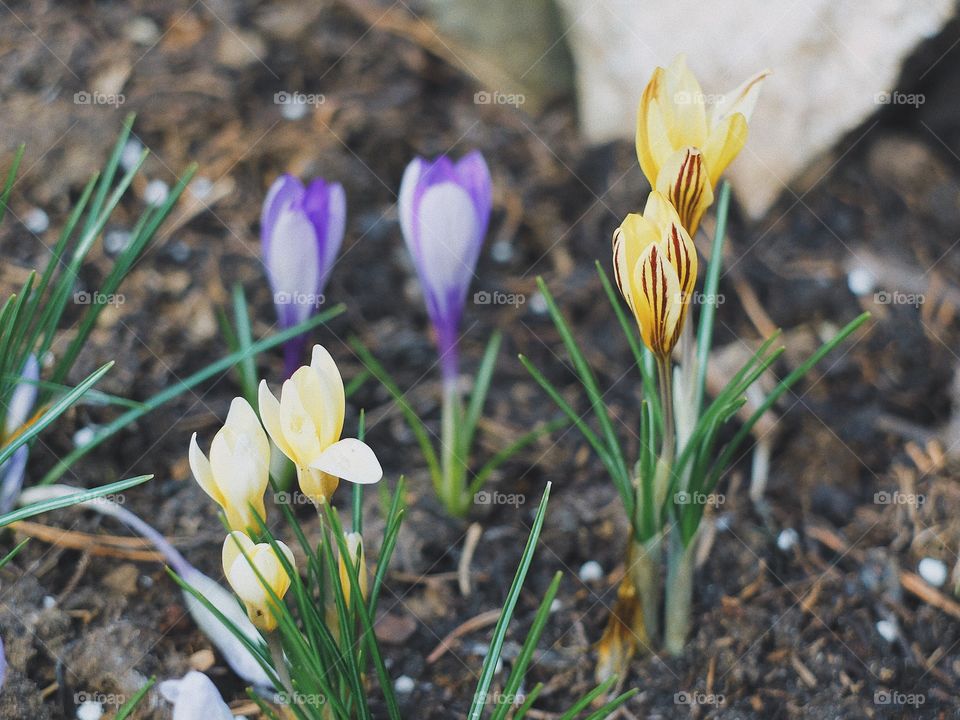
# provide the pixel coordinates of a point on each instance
(833, 61)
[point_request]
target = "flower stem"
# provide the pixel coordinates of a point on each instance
(280, 664)
(452, 489)
(679, 592)
(643, 569)
(665, 383)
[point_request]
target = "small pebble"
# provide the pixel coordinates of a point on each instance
(179, 252)
(722, 522)
(502, 251)
(887, 630)
(538, 303)
(201, 187)
(130, 155)
(933, 571)
(49, 602)
(404, 684)
(36, 220)
(556, 605)
(142, 30)
(787, 538)
(116, 241)
(83, 436)
(90, 710)
(591, 571)
(294, 110)
(861, 281)
(156, 192)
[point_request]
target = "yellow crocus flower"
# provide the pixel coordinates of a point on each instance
(306, 423)
(237, 472)
(240, 556)
(655, 265)
(674, 113)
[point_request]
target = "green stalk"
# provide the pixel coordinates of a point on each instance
(681, 563)
(643, 569)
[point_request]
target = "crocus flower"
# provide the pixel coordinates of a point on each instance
(306, 423)
(18, 413)
(683, 181)
(674, 114)
(655, 265)
(195, 697)
(354, 542)
(301, 229)
(243, 560)
(238, 471)
(444, 213)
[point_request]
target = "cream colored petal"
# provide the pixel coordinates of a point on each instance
(653, 141)
(270, 414)
(203, 472)
(351, 460)
(322, 362)
(742, 99)
(299, 430)
(243, 419)
(234, 545)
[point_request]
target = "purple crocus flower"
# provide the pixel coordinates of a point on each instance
(444, 213)
(22, 398)
(301, 229)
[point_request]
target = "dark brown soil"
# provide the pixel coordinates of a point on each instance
(778, 634)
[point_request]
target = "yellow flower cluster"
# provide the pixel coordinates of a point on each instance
(305, 424)
(685, 141)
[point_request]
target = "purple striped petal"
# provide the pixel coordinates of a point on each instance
(444, 213)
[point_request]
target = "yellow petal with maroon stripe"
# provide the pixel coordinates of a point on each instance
(683, 179)
(658, 301)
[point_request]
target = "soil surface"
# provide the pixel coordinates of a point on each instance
(827, 620)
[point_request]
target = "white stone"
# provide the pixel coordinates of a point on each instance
(787, 538)
(590, 571)
(36, 220)
(933, 571)
(861, 281)
(501, 251)
(887, 630)
(538, 303)
(116, 241)
(90, 710)
(201, 187)
(130, 155)
(834, 63)
(404, 684)
(156, 192)
(84, 436)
